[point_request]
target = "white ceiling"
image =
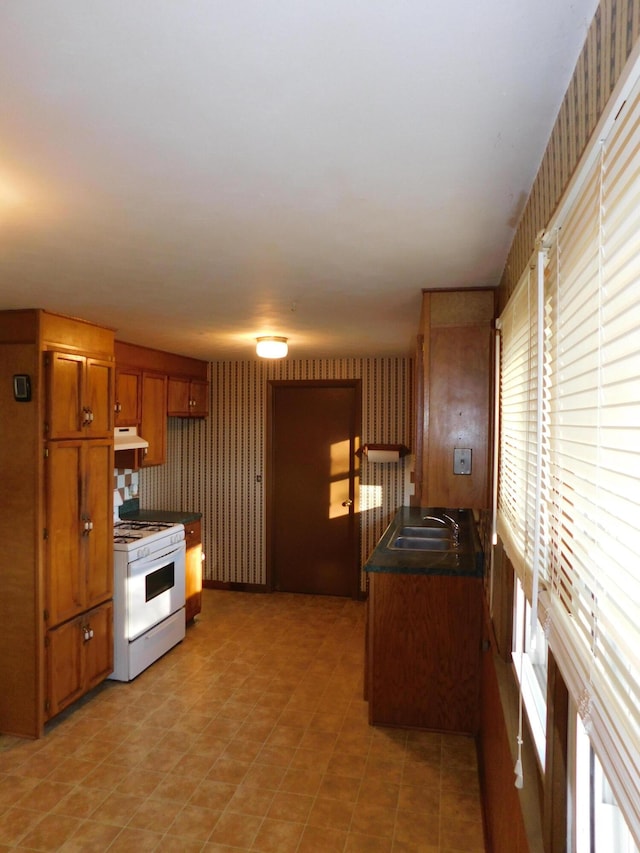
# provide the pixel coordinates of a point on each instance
(195, 173)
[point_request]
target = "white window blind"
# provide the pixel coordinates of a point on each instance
(518, 427)
(591, 454)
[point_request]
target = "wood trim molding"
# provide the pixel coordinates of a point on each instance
(554, 817)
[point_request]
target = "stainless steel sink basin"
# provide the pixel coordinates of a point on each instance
(422, 543)
(426, 532)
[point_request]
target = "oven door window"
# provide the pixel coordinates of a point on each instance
(159, 581)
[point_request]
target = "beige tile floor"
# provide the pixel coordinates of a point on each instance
(251, 735)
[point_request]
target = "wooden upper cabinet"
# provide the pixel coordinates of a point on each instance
(128, 397)
(454, 393)
(153, 425)
(187, 398)
(79, 396)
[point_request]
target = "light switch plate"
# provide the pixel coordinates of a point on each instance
(462, 460)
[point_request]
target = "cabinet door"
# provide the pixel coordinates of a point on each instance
(98, 397)
(178, 397)
(193, 568)
(128, 394)
(79, 396)
(79, 656)
(65, 417)
(199, 398)
(64, 571)
(65, 681)
(153, 426)
(97, 512)
(98, 650)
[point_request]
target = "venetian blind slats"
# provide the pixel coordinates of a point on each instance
(592, 314)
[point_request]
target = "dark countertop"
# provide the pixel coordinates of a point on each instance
(132, 511)
(465, 561)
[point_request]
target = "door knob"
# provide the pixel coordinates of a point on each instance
(348, 502)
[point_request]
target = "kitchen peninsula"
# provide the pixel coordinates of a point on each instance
(424, 618)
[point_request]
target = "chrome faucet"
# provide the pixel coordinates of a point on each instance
(455, 528)
(434, 518)
(448, 522)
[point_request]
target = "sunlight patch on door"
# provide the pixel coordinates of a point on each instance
(338, 495)
(340, 458)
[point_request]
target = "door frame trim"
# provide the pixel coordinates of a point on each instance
(272, 386)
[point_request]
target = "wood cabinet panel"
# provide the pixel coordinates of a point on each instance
(79, 396)
(454, 392)
(99, 648)
(187, 398)
(153, 424)
(64, 569)
(57, 466)
(199, 391)
(64, 666)
(79, 656)
(79, 525)
(193, 566)
(128, 397)
(178, 397)
(460, 384)
(97, 499)
(424, 635)
(98, 394)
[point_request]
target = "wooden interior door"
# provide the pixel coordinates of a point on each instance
(314, 534)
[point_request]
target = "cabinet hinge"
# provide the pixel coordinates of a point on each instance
(46, 450)
(45, 533)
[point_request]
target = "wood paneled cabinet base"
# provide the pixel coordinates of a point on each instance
(79, 656)
(424, 651)
(193, 565)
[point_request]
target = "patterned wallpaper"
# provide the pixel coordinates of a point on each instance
(612, 35)
(213, 463)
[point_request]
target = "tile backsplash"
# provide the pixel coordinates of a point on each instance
(126, 482)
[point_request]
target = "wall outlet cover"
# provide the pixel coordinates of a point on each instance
(462, 460)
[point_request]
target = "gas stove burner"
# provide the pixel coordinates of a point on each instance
(149, 526)
(131, 535)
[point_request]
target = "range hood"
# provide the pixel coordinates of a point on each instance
(127, 438)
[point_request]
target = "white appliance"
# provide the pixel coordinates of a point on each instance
(148, 595)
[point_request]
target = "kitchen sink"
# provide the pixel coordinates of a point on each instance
(426, 532)
(422, 543)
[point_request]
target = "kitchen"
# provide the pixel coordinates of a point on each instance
(234, 436)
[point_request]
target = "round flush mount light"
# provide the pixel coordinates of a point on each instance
(271, 347)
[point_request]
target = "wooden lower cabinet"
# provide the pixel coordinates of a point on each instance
(79, 656)
(193, 565)
(424, 635)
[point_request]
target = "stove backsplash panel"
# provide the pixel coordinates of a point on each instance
(127, 483)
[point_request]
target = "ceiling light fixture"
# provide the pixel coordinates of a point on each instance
(271, 347)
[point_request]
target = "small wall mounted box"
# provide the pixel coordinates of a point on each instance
(21, 388)
(462, 460)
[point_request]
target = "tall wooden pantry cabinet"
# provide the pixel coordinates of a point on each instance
(56, 467)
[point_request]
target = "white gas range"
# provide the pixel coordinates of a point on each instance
(149, 593)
